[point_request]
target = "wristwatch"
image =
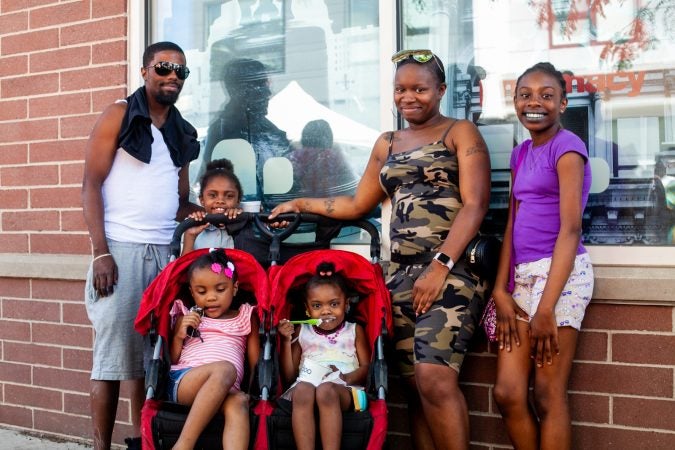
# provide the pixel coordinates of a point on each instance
(444, 259)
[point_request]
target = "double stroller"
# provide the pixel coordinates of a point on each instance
(275, 292)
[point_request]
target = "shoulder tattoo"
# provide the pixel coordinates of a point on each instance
(477, 148)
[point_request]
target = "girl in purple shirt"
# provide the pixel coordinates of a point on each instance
(544, 303)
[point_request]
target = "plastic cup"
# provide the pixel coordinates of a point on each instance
(313, 372)
(252, 206)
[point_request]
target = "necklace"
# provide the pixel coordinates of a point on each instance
(330, 335)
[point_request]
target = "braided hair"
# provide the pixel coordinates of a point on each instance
(326, 275)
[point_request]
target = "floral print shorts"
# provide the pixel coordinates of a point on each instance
(531, 278)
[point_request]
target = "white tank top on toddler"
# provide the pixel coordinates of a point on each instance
(141, 200)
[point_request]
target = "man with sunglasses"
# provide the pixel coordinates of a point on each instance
(135, 186)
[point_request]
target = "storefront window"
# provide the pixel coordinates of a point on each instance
(619, 61)
(286, 89)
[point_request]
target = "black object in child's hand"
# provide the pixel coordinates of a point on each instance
(191, 331)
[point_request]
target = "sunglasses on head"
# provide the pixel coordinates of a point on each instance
(164, 68)
(421, 56)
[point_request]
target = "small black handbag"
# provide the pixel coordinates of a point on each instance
(482, 256)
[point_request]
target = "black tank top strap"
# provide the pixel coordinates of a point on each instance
(447, 130)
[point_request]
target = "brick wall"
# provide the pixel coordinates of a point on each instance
(61, 63)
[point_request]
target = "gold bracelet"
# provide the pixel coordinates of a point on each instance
(101, 256)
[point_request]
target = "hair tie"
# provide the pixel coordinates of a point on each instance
(228, 270)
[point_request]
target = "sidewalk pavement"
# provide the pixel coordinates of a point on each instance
(14, 439)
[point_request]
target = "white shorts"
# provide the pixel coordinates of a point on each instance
(530, 280)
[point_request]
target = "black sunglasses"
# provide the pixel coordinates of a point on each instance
(164, 68)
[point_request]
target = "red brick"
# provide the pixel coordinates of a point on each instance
(56, 197)
(102, 99)
(109, 52)
(589, 408)
(30, 85)
(15, 373)
(479, 369)
(68, 380)
(98, 30)
(14, 5)
(13, 154)
(76, 404)
(614, 379)
(71, 173)
(16, 415)
(30, 41)
(13, 110)
(32, 310)
(69, 335)
(28, 130)
(69, 244)
(643, 348)
(14, 199)
(77, 126)
(59, 14)
(628, 317)
(644, 413)
(60, 105)
(61, 423)
(29, 175)
(488, 429)
(61, 150)
(15, 287)
(611, 438)
(477, 397)
(61, 58)
(103, 76)
(73, 221)
(75, 313)
(14, 243)
(57, 289)
(42, 355)
(13, 23)
(13, 65)
(592, 346)
(14, 330)
(31, 221)
(104, 8)
(33, 396)
(77, 359)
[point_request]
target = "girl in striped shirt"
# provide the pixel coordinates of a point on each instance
(208, 350)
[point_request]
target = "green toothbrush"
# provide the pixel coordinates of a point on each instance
(315, 322)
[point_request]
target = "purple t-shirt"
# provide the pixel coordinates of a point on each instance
(537, 221)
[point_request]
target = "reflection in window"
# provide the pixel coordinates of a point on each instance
(291, 79)
(618, 58)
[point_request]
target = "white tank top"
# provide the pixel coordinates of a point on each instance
(141, 200)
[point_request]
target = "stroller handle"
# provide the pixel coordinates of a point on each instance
(279, 235)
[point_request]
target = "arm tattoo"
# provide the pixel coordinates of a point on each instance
(329, 203)
(305, 207)
(478, 147)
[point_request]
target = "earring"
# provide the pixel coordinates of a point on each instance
(307, 313)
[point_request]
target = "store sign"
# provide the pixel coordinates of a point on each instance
(629, 83)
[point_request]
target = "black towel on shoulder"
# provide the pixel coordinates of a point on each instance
(136, 137)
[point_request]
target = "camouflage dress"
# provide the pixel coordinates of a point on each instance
(423, 186)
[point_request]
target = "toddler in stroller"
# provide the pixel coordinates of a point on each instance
(206, 348)
(369, 307)
(327, 358)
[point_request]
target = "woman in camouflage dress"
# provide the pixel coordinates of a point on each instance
(437, 174)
